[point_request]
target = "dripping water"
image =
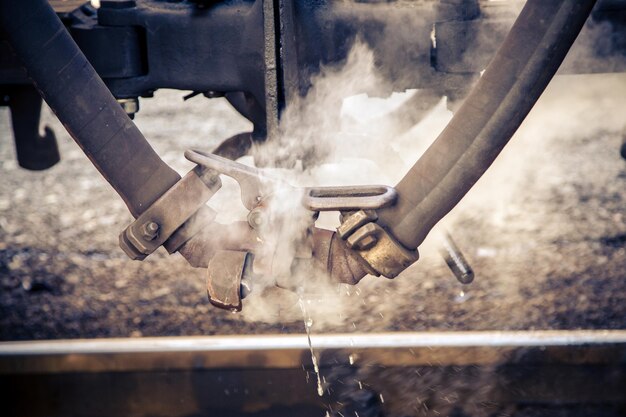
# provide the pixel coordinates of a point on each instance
(308, 323)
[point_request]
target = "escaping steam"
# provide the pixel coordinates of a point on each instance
(336, 135)
(340, 134)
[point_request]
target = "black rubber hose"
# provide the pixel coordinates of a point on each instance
(512, 83)
(83, 103)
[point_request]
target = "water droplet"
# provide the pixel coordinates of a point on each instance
(308, 322)
(461, 297)
(352, 358)
(382, 400)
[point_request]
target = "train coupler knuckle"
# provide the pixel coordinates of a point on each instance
(382, 253)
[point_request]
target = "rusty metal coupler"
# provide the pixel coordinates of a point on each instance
(173, 219)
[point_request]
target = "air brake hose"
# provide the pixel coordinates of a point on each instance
(510, 86)
(83, 103)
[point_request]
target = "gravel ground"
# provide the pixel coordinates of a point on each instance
(545, 231)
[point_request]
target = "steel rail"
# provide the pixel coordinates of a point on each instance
(271, 374)
(323, 341)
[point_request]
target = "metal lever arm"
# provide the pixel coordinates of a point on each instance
(256, 185)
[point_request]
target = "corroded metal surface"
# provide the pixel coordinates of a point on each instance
(225, 273)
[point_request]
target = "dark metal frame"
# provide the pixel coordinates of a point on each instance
(261, 54)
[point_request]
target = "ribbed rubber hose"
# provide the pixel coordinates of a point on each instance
(84, 104)
(512, 83)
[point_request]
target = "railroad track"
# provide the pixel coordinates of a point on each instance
(563, 373)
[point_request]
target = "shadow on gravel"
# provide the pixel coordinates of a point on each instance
(617, 241)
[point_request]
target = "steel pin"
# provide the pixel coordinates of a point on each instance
(455, 260)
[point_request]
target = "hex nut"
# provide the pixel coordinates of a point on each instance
(256, 219)
(150, 230)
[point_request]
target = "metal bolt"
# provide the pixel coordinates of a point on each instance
(150, 230)
(130, 105)
(455, 260)
(256, 219)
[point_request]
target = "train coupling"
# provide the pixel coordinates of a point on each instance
(290, 246)
(279, 243)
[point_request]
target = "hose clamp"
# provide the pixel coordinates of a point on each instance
(175, 217)
(378, 248)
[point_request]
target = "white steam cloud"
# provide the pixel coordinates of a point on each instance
(336, 135)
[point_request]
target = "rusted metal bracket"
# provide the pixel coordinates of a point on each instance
(379, 249)
(170, 212)
(226, 280)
